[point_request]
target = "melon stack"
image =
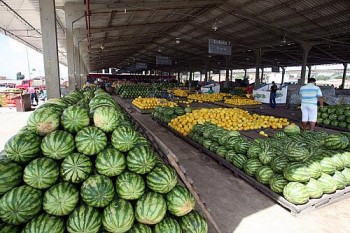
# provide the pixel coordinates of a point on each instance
(79, 166)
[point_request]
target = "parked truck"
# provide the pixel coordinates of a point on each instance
(39, 83)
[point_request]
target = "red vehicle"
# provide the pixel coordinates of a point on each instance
(39, 83)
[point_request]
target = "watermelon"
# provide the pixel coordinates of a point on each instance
(168, 225)
(223, 140)
(338, 161)
(106, 118)
(315, 168)
(327, 165)
(110, 162)
(314, 189)
(20, 204)
(277, 183)
(76, 168)
(221, 151)
(241, 147)
(75, 118)
(345, 157)
(90, 140)
(296, 193)
(327, 183)
(41, 173)
(141, 160)
(264, 174)
(279, 163)
(280, 134)
(266, 156)
(340, 180)
(118, 216)
(60, 199)
(194, 223)
(150, 208)
(296, 152)
(230, 154)
(58, 144)
(8, 228)
(44, 120)
(23, 147)
(130, 186)
(84, 219)
(124, 138)
(346, 173)
(296, 171)
(140, 228)
(161, 179)
(45, 223)
(10, 175)
(254, 150)
(336, 142)
(97, 191)
(252, 166)
(207, 143)
(239, 160)
(98, 101)
(180, 201)
(291, 129)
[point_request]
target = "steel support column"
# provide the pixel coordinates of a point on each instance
(70, 47)
(262, 75)
(50, 48)
(283, 74)
(227, 79)
(309, 69)
(257, 65)
(245, 73)
(306, 49)
(344, 75)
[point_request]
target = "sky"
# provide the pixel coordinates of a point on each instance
(13, 59)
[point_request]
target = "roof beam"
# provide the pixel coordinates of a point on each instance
(329, 54)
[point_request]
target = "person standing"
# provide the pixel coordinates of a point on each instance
(310, 95)
(273, 93)
(32, 92)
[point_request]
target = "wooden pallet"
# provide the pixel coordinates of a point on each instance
(295, 210)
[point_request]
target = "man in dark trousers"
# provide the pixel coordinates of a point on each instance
(273, 91)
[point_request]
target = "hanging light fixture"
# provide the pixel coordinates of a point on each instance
(102, 47)
(215, 26)
(284, 40)
(178, 40)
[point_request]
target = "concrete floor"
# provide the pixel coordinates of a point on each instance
(235, 205)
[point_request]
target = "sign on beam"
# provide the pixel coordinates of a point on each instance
(141, 66)
(163, 60)
(275, 69)
(220, 47)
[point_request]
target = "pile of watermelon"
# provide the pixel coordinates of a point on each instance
(298, 165)
(166, 114)
(79, 166)
(132, 91)
(334, 115)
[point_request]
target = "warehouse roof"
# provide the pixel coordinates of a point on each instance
(121, 33)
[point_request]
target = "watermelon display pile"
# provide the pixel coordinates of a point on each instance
(166, 114)
(79, 166)
(132, 91)
(298, 165)
(334, 115)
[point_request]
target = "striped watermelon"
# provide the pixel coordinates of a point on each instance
(58, 144)
(180, 201)
(242, 146)
(58, 101)
(97, 191)
(230, 154)
(252, 166)
(44, 120)
(10, 175)
(264, 174)
(296, 193)
(168, 225)
(340, 179)
(345, 157)
(23, 147)
(239, 160)
(41, 173)
(297, 171)
(98, 101)
(327, 165)
(277, 183)
(254, 150)
(124, 138)
(297, 152)
(141, 160)
(140, 228)
(346, 173)
(106, 118)
(338, 161)
(20, 204)
(315, 168)
(84, 219)
(118, 216)
(279, 163)
(280, 134)
(8, 228)
(162, 179)
(76, 168)
(75, 118)
(150, 208)
(130, 186)
(194, 223)
(327, 183)
(221, 151)
(266, 155)
(90, 140)
(45, 223)
(336, 142)
(60, 199)
(110, 162)
(314, 189)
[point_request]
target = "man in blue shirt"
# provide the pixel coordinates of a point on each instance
(310, 95)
